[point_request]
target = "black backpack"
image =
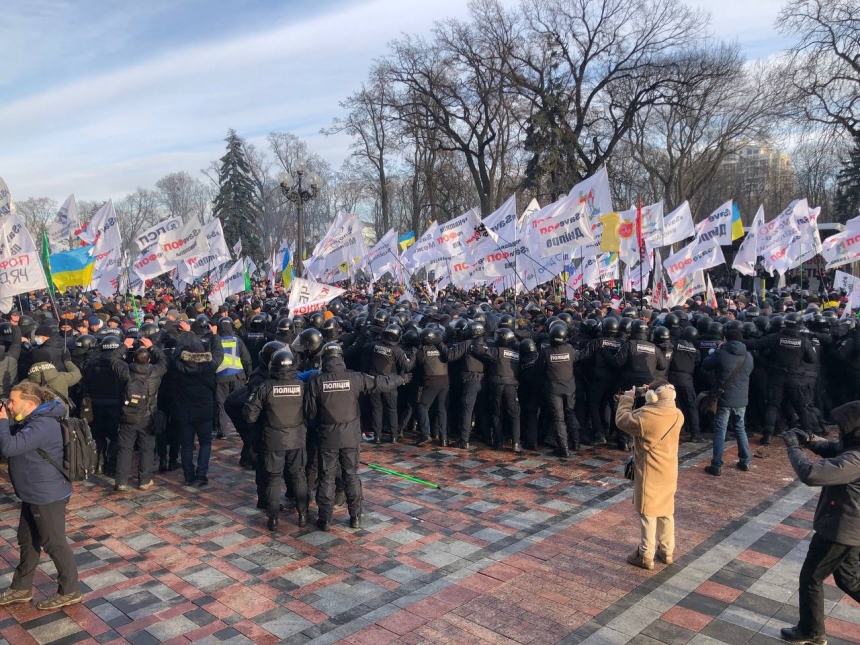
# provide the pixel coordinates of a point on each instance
(80, 454)
(136, 403)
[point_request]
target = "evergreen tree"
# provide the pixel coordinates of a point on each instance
(848, 185)
(235, 203)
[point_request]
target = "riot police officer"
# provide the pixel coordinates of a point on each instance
(555, 365)
(503, 368)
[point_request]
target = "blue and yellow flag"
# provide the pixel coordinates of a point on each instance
(737, 224)
(287, 269)
(72, 268)
(406, 240)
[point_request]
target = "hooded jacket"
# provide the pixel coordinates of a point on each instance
(46, 375)
(837, 516)
(195, 375)
(722, 363)
(280, 402)
(9, 363)
(35, 479)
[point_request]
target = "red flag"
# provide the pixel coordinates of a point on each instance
(639, 231)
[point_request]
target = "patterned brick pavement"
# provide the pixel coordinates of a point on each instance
(511, 549)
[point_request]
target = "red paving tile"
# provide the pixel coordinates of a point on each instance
(791, 531)
(842, 629)
(402, 622)
(760, 559)
(718, 591)
(373, 635)
(687, 618)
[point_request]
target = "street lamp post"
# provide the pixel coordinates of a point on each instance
(300, 189)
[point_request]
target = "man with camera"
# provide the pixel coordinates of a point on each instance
(835, 546)
(43, 490)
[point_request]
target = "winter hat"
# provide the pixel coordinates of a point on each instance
(847, 417)
(734, 334)
(41, 356)
(44, 330)
(664, 392)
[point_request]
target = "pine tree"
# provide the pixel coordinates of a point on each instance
(235, 203)
(848, 185)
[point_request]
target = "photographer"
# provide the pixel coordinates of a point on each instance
(835, 547)
(43, 490)
(655, 427)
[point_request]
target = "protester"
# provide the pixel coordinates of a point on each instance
(43, 490)
(655, 427)
(835, 546)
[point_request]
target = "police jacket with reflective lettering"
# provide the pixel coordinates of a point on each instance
(787, 351)
(280, 401)
(384, 358)
(502, 363)
(555, 365)
(685, 360)
(332, 402)
(641, 359)
(432, 362)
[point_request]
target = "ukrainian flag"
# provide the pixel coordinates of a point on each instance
(287, 269)
(72, 268)
(407, 240)
(737, 224)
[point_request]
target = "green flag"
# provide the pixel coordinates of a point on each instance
(46, 262)
(247, 278)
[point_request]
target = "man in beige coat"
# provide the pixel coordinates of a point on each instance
(655, 428)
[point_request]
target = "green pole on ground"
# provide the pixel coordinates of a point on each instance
(403, 475)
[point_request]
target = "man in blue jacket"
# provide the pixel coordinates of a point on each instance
(734, 397)
(43, 490)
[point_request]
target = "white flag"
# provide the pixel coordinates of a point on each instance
(307, 296)
(20, 274)
(105, 278)
(65, 223)
(844, 281)
(452, 235)
(659, 293)
(687, 287)
(496, 228)
(104, 230)
(694, 257)
(237, 247)
(14, 237)
(852, 304)
(150, 236)
(561, 226)
(6, 204)
(841, 249)
(717, 226)
(346, 244)
(231, 283)
(423, 251)
(678, 225)
(748, 253)
(382, 257)
(710, 296)
(185, 242)
(593, 194)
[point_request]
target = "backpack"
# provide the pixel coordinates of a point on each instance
(80, 454)
(136, 403)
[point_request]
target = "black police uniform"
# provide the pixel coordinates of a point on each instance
(555, 365)
(385, 358)
(602, 355)
(432, 366)
(503, 368)
(786, 351)
(682, 369)
(332, 401)
(105, 392)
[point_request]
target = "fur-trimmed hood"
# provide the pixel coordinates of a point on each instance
(195, 357)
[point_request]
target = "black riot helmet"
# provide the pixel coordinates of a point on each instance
(148, 330)
(528, 346)
(590, 327)
(751, 312)
(507, 307)
(429, 336)
(609, 327)
(625, 325)
(715, 330)
(639, 330)
(630, 312)
(661, 335)
(792, 320)
(257, 323)
(558, 333)
(480, 317)
(506, 321)
(381, 318)
(671, 321)
(392, 334)
(109, 343)
(85, 342)
(476, 329)
(331, 329)
(776, 322)
(202, 320)
(225, 325)
(331, 350)
(310, 340)
(284, 325)
(281, 362)
(566, 318)
(504, 337)
(316, 320)
(749, 329)
(269, 349)
(690, 334)
(460, 326)
(702, 323)
(411, 338)
(299, 324)
(734, 324)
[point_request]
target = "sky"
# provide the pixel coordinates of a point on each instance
(98, 98)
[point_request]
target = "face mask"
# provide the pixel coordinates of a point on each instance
(19, 417)
(38, 341)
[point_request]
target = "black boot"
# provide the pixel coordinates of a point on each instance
(518, 448)
(339, 499)
(794, 635)
(355, 522)
(303, 518)
(162, 464)
(273, 524)
(173, 465)
(322, 524)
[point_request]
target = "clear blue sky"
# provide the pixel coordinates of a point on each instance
(97, 97)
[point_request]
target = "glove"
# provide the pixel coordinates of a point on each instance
(790, 439)
(407, 378)
(803, 436)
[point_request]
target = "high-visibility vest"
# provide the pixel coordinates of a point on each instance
(232, 363)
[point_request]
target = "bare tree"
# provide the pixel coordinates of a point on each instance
(184, 196)
(135, 213)
(588, 67)
(823, 66)
(816, 160)
(37, 213)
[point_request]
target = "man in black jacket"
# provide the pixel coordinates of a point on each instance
(140, 381)
(735, 386)
(281, 400)
(835, 546)
(385, 357)
(332, 402)
(555, 367)
(682, 370)
(105, 392)
(503, 370)
(432, 365)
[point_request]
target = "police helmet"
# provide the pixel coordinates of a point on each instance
(505, 337)
(281, 361)
(558, 333)
(257, 323)
(310, 340)
(661, 335)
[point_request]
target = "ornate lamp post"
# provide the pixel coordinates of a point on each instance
(300, 189)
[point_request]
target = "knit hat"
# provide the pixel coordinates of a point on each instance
(41, 356)
(663, 393)
(94, 321)
(44, 330)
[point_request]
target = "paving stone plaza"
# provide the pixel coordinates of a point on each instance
(510, 549)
